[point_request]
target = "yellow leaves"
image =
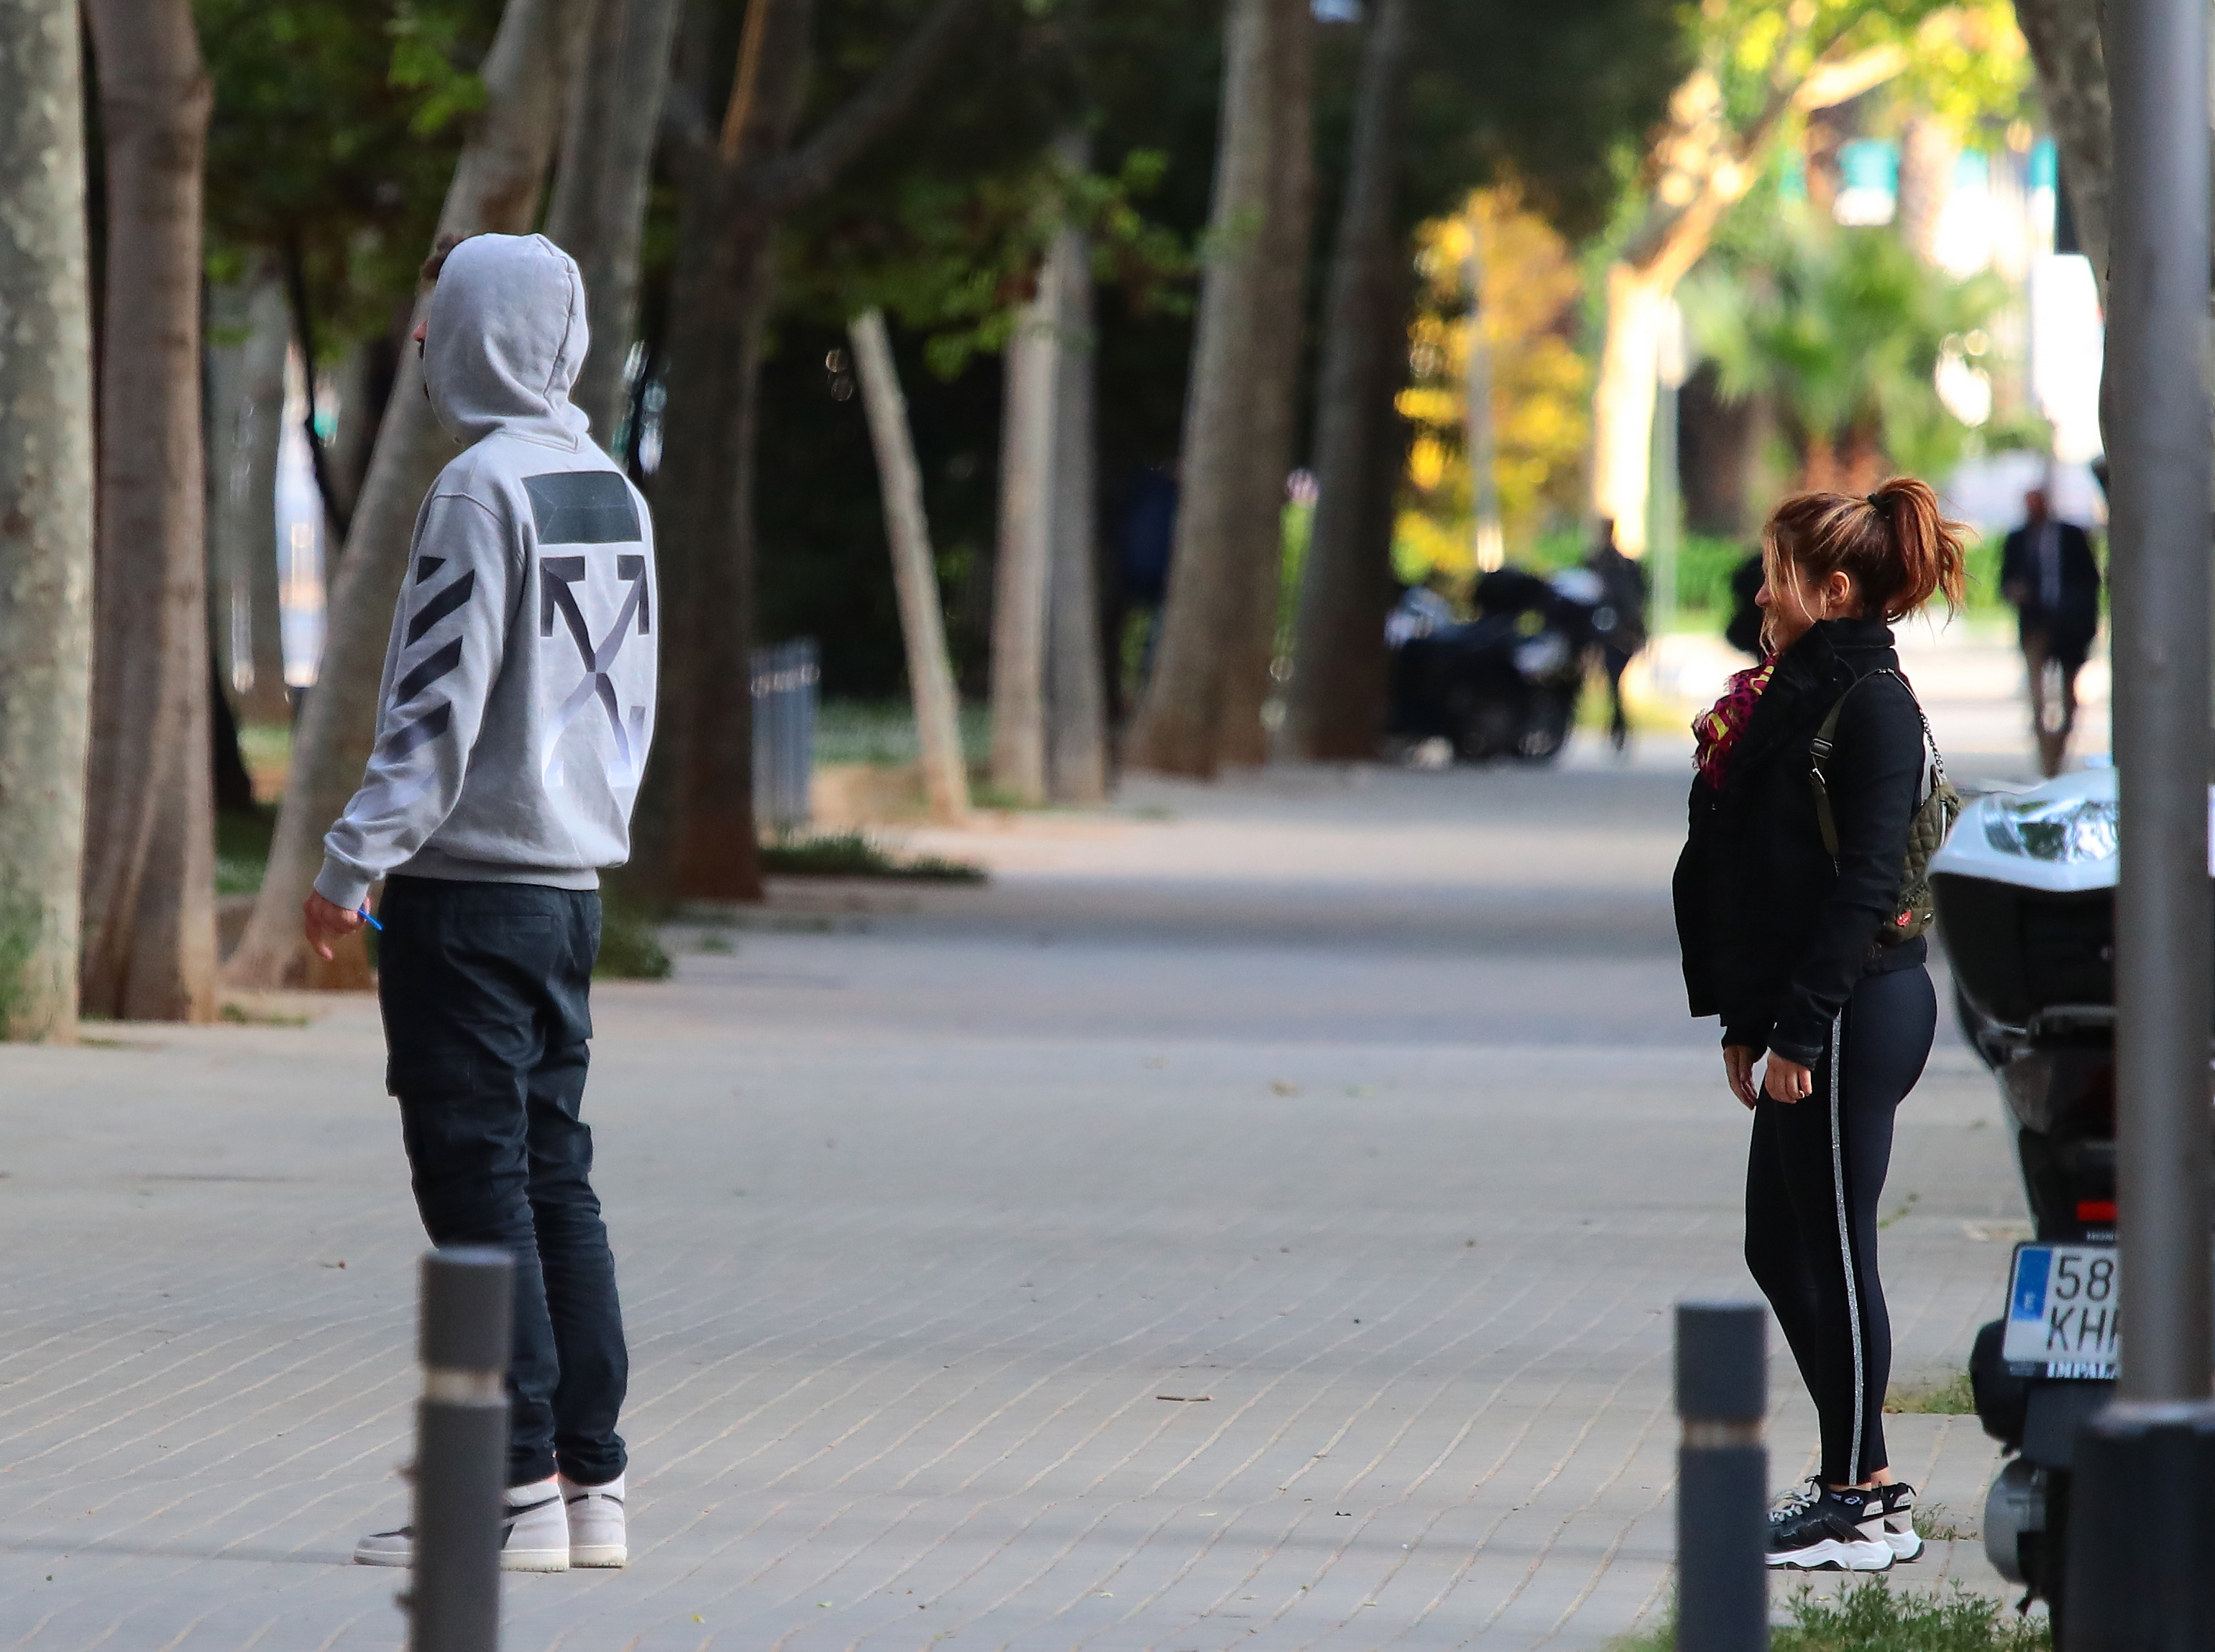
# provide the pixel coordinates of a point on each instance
(1540, 385)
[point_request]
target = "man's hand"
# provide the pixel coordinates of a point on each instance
(1787, 1080)
(326, 923)
(1738, 1067)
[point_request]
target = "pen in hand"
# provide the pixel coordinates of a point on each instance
(362, 913)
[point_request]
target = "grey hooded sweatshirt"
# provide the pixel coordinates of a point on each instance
(518, 700)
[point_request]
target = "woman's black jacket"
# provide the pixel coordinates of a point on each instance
(1775, 934)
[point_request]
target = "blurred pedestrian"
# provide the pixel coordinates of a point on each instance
(517, 704)
(1145, 540)
(1795, 928)
(1619, 623)
(2048, 572)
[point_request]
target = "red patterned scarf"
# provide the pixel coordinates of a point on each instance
(1718, 727)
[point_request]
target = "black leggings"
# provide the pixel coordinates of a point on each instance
(1812, 1185)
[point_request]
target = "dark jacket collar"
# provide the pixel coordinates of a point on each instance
(1828, 659)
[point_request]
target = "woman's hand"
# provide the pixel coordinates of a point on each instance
(1787, 1080)
(1738, 1067)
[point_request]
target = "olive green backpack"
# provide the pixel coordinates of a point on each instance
(1934, 814)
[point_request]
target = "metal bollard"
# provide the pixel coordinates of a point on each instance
(461, 1449)
(2141, 1520)
(1722, 1472)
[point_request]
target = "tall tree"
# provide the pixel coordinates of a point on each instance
(1280, 320)
(1208, 618)
(150, 862)
(694, 832)
(915, 579)
(496, 186)
(598, 213)
(45, 532)
(1076, 689)
(1023, 572)
(1722, 122)
(1333, 711)
(2072, 62)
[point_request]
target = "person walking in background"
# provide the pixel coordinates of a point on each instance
(1790, 914)
(1619, 623)
(1743, 629)
(2048, 572)
(517, 707)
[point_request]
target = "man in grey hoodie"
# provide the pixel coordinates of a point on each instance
(517, 707)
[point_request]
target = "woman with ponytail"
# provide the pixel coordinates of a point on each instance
(1790, 913)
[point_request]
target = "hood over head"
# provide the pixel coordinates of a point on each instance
(505, 338)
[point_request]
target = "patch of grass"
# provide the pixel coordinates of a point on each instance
(1950, 1397)
(1934, 1523)
(856, 854)
(241, 848)
(630, 950)
(882, 731)
(1868, 1617)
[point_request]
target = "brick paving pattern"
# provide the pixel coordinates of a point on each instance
(1256, 1228)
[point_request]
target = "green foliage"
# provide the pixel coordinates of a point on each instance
(1844, 328)
(1951, 1398)
(856, 854)
(336, 129)
(631, 947)
(241, 848)
(1868, 1617)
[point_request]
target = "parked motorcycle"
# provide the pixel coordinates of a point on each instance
(2025, 890)
(1505, 684)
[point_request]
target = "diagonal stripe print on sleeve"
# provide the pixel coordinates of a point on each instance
(426, 672)
(442, 605)
(406, 738)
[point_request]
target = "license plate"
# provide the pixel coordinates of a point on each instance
(2064, 1310)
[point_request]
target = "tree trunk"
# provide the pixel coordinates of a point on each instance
(915, 573)
(1280, 324)
(695, 838)
(46, 531)
(149, 826)
(496, 188)
(1928, 154)
(597, 213)
(1178, 727)
(695, 834)
(1076, 691)
(1021, 569)
(2071, 64)
(1337, 699)
(249, 329)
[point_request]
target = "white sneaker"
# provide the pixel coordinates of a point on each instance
(596, 1535)
(533, 1535)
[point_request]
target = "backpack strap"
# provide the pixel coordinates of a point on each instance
(1819, 752)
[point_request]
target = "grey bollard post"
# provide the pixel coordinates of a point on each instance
(2141, 1522)
(1722, 1473)
(461, 1449)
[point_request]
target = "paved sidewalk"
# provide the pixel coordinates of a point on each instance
(1252, 1227)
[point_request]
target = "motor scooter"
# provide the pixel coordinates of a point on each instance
(2025, 890)
(1505, 684)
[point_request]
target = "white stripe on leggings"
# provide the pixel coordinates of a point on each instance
(1846, 1232)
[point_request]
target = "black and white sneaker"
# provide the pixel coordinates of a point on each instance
(1900, 1530)
(534, 1535)
(1839, 1532)
(1801, 1497)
